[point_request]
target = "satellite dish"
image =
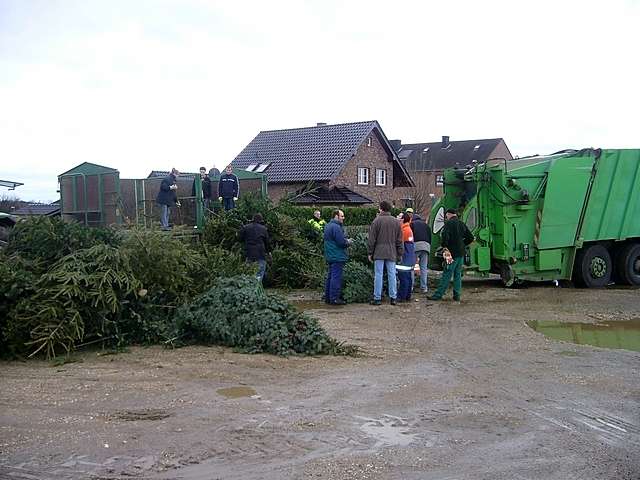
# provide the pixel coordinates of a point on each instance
(438, 222)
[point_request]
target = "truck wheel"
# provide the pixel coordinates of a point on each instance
(593, 267)
(506, 275)
(628, 264)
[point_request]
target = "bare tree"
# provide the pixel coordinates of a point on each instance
(425, 192)
(8, 203)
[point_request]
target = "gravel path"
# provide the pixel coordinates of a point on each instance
(445, 391)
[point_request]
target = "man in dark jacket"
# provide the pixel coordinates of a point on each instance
(385, 247)
(422, 243)
(335, 252)
(167, 197)
(206, 187)
(454, 238)
(228, 189)
(256, 243)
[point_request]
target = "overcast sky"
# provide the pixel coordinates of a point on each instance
(140, 85)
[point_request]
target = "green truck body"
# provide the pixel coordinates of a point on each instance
(571, 215)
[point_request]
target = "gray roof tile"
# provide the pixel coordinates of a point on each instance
(303, 154)
(333, 196)
(460, 152)
(38, 209)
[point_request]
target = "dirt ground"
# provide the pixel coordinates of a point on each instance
(444, 391)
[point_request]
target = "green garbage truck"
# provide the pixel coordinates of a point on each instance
(573, 215)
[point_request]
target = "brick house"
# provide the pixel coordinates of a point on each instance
(426, 163)
(344, 164)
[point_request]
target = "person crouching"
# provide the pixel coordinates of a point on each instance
(255, 237)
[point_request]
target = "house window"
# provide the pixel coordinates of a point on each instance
(363, 176)
(407, 202)
(368, 141)
(439, 180)
(381, 177)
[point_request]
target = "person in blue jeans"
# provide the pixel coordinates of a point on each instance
(422, 243)
(255, 237)
(167, 197)
(335, 253)
(385, 246)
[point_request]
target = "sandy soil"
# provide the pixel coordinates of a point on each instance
(445, 391)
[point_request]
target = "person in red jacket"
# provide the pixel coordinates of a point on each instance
(406, 265)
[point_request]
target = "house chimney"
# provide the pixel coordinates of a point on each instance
(321, 124)
(396, 145)
(445, 141)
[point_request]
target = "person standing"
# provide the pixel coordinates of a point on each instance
(408, 262)
(422, 243)
(228, 188)
(317, 222)
(167, 197)
(335, 253)
(384, 248)
(454, 237)
(255, 237)
(409, 211)
(206, 188)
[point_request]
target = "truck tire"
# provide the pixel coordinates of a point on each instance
(593, 267)
(506, 274)
(628, 264)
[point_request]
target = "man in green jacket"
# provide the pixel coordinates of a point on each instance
(317, 222)
(454, 238)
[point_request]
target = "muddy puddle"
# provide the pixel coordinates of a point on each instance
(236, 392)
(146, 414)
(609, 334)
(388, 431)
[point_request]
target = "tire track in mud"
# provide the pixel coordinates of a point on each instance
(430, 425)
(568, 415)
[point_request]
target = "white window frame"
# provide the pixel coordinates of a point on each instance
(363, 176)
(369, 143)
(381, 180)
(439, 180)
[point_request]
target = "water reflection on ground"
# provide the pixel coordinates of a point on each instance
(610, 334)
